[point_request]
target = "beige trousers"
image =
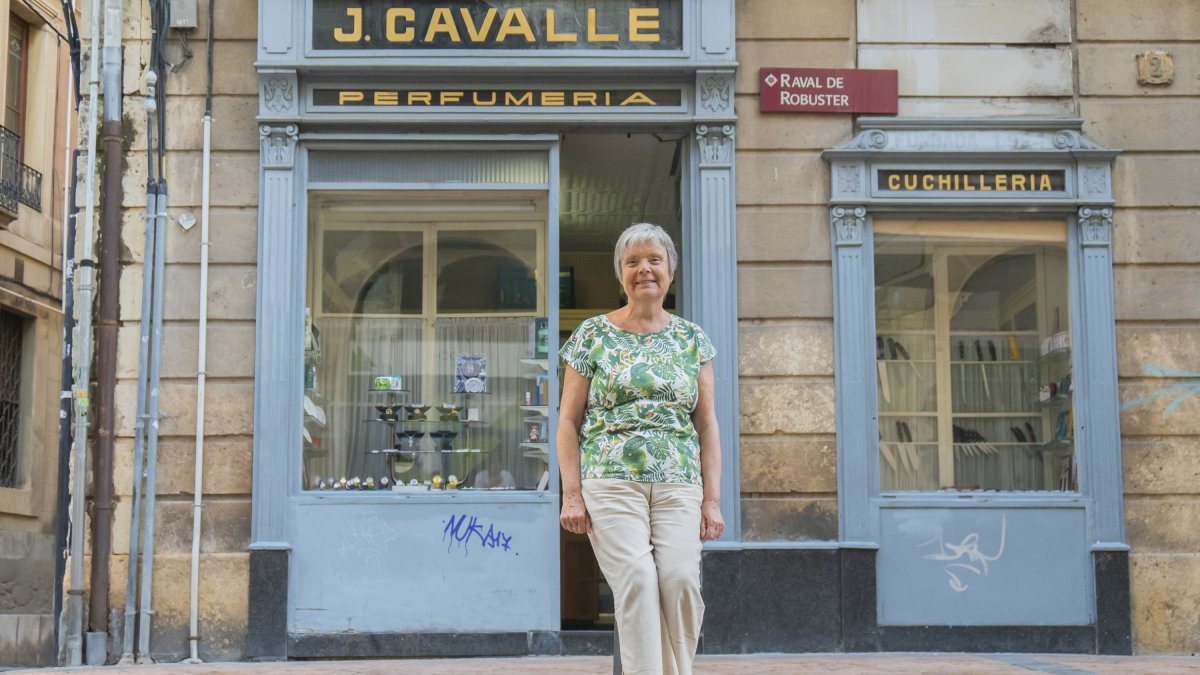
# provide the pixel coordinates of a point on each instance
(647, 540)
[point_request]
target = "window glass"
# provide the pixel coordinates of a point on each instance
(12, 328)
(973, 357)
(373, 271)
(486, 271)
(14, 102)
(426, 357)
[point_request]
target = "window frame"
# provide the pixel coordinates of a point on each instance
(1085, 202)
(22, 110)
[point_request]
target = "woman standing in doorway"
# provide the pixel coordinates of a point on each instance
(640, 455)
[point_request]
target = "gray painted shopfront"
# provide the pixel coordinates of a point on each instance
(357, 573)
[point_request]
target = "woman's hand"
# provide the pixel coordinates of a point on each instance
(711, 522)
(574, 516)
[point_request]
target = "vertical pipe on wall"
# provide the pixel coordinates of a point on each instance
(147, 578)
(82, 365)
(139, 435)
(201, 358)
(106, 338)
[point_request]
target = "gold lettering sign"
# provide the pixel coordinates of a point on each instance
(507, 98)
(972, 180)
(516, 25)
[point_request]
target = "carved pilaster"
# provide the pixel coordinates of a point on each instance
(848, 225)
(854, 354)
(712, 291)
(1095, 226)
(279, 358)
(1097, 403)
(716, 145)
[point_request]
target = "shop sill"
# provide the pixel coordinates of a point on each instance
(353, 497)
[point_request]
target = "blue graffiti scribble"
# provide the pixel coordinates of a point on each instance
(461, 531)
(1182, 391)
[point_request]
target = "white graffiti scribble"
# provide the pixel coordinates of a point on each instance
(969, 547)
(368, 541)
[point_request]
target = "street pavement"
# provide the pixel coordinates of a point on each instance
(767, 664)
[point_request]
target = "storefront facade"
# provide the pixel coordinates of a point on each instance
(407, 335)
(954, 343)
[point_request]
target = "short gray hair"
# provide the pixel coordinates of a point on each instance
(645, 233)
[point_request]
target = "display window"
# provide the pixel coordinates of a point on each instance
(973, 356)
(426, 345)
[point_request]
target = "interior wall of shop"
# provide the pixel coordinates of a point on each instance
(1156, 260)
(229, 400)
(33, 241)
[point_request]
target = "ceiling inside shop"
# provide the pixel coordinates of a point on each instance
(610, 181)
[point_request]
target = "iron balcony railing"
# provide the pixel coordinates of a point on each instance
(19, 184)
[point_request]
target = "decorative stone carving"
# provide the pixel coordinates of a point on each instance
(849, 178)
(1095, 223)
(279, 94)
(716, 92)
(278, 144)
(1069, 139)
(848, 224)
(1155, 68)
(716, 144)
(870, 139)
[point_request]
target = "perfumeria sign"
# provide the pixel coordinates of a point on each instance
(520, 25)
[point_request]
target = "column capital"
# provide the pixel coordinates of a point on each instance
(716, 145)
(278, 145)
(849, 223)
(1095, 225)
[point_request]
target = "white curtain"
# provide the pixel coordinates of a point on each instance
(355, 350)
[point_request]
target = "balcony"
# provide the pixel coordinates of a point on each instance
(19, 184)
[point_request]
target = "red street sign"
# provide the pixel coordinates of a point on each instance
(831, 90)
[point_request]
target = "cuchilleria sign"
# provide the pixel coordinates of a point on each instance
(397, 25)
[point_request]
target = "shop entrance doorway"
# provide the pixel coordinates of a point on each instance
(608, 182)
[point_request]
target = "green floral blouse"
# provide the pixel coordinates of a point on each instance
(638, 424)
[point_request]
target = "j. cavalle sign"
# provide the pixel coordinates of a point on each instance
(833, 90)
(518, 24)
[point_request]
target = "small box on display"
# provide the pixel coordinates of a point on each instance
(387, 383)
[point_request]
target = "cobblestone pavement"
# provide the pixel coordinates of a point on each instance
(767, 664)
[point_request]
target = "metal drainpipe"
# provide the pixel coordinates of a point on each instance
(106, 339)
(83, 365)
(146, 611)
(139, 433)
(201, 357)
(63, 498)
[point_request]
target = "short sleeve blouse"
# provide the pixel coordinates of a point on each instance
(643, 389)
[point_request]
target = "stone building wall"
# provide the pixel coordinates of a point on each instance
(31, 286)
(1156, 255)
(1025, 57)
(229, 407)
(785, 278)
